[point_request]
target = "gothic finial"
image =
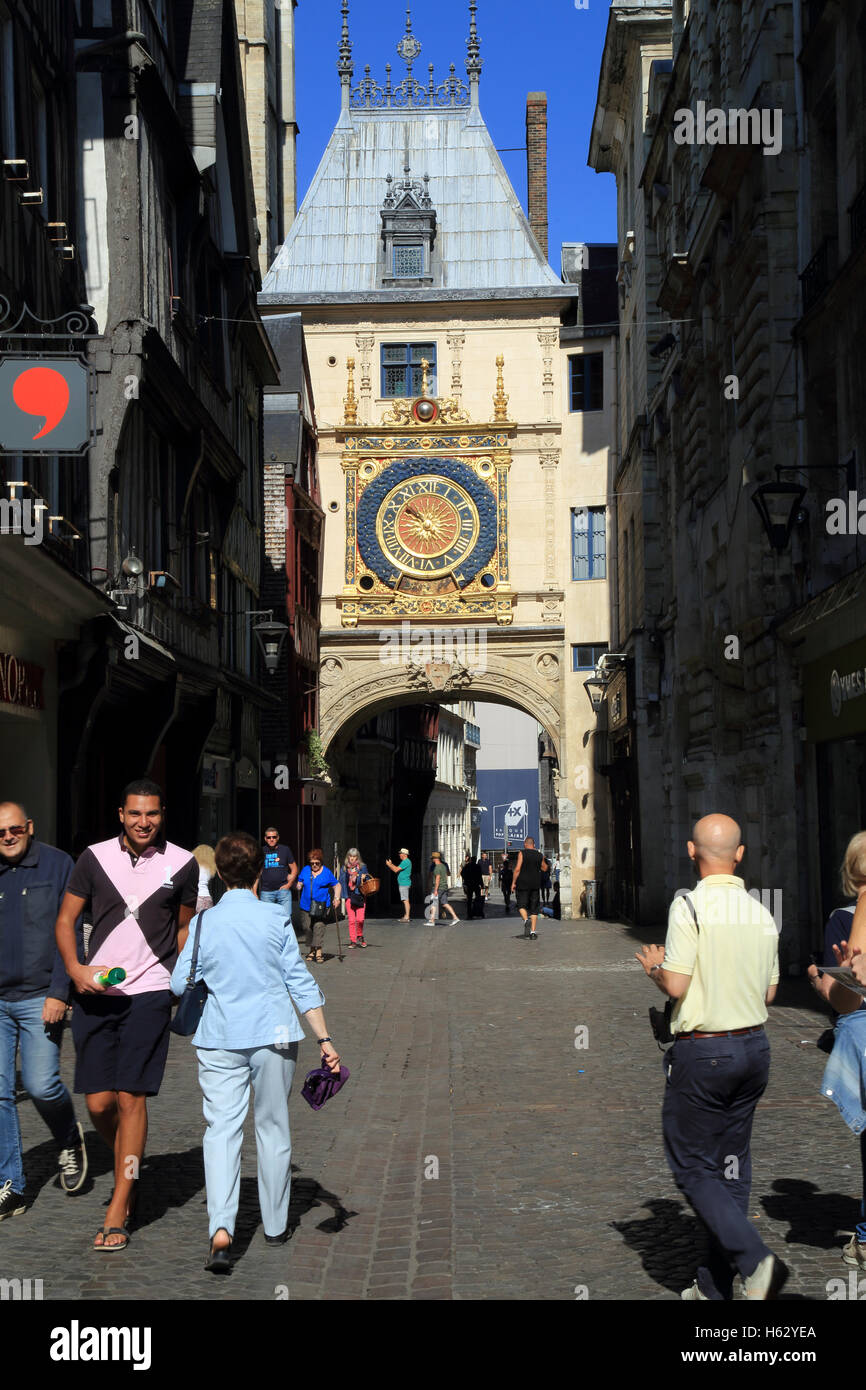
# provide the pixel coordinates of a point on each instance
(345, 66)
(500, 400)
(408, 47)
(473, 48)
(350, 404)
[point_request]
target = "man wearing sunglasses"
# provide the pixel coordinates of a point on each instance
(279, 872)
(34, 988)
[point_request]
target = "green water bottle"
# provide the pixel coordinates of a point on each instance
(115, 976)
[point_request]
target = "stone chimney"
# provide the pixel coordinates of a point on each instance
(536, 165)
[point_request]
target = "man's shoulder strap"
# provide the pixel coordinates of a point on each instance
(692, 910)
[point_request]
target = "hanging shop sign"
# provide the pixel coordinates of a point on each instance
(44, 404)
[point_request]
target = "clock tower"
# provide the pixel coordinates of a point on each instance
(426, 511)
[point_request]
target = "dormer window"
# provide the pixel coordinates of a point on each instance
(408, 233)
(408, 262)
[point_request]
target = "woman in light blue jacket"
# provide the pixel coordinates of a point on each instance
(248, 1033)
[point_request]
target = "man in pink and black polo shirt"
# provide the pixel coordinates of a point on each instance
(141, 891)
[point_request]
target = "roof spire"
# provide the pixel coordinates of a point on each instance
(408, 47)
(473, 55)
(345, 66)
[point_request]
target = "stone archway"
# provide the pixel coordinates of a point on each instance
(359, 675)
(365, 673)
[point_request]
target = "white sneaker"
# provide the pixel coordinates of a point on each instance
(767, 1279)
(854, 1253)
(693, 1292)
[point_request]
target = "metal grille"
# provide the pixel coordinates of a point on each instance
(408, 260)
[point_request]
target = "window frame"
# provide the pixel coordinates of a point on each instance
(594, 374)
(596, 563)
(409, 365)
(599, 647)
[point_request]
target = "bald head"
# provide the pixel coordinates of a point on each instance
(715, 845)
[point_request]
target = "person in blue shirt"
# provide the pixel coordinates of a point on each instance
(844, 1080)
(319, 892)
(34, 989)
(248, 1034)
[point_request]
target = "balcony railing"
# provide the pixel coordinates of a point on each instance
(818, 273)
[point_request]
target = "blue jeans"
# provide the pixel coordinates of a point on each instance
(21, 1026)
(713, 1087)
(283, 896)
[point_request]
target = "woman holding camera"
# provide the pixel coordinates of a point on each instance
(248, 1035)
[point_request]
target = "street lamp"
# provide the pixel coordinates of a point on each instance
(777, 505)
(270, 637)
(595, 687)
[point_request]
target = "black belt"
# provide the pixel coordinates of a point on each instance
(731, 1033)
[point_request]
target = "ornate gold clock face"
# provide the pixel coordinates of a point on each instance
(427, 525)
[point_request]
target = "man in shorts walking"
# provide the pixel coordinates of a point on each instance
(527, 885)
(141, 891)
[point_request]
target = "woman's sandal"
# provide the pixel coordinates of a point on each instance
(311, 955)
(320, 959)
(112, 1231)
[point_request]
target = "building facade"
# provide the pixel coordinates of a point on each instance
(170, 683)
(266, 35)
(740, 178)
(399, 307)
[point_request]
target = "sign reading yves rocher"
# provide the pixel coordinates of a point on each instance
(20, 682)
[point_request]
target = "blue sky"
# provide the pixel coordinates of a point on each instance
(549, 46)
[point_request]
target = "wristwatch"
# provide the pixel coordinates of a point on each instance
(321, 1040)
(657, 966)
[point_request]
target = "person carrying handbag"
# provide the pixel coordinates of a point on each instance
(241, 957)
(320, 892)
(352, 875)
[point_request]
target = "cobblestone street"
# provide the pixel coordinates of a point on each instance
(551, 1177)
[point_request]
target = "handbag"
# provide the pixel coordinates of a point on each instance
(369, 886)
(321, 1084)
(188, 1013)
(319, 912)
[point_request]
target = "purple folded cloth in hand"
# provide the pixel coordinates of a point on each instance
(321, 1084)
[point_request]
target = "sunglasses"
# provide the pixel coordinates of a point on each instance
(16, 831)
(315, 863)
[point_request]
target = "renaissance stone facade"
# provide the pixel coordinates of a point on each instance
(400, 305)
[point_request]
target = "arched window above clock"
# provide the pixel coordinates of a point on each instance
(408, 234)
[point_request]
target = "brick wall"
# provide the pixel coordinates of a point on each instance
(536, 165)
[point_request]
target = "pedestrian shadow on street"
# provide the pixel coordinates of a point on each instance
(308, 1193)
(670, 1242)
(813, 1217)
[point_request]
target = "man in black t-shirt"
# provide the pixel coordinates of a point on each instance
(279, 872)
(527, 883)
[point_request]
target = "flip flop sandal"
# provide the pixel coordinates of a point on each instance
(104, 1249)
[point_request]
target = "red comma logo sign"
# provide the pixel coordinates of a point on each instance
(44, 392)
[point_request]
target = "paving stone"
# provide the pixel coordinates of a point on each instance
(551, 1168)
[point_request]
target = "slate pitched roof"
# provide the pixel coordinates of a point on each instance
(483, 241)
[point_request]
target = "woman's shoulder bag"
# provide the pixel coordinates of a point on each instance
(187, 1016)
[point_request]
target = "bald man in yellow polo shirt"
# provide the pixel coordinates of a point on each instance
(720, 963)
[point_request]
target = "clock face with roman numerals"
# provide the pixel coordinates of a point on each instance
(427, 526)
